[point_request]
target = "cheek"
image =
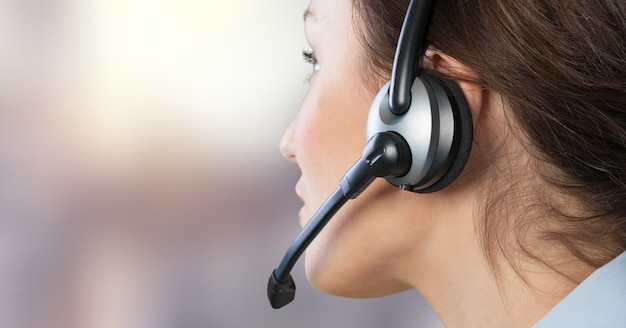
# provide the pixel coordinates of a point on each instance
(331, 137)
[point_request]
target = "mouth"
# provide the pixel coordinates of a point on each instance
(302, 216)
(302, 213)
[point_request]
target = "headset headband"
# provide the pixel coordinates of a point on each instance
(408, 52)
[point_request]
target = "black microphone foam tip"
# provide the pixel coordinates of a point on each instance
(280, 294)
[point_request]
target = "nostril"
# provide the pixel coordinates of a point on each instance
(286, 146)
(287, 142)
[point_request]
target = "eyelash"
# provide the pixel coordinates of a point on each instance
(309, 57)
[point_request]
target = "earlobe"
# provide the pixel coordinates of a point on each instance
(474, 95)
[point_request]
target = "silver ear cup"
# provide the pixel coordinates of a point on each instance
(431, 129)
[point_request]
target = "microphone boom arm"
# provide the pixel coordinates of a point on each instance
(386, 154)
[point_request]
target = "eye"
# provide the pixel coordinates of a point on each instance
(309, 57)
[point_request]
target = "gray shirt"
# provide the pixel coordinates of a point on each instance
(599, 301)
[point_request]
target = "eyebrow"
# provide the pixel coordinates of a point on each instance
(307, 13)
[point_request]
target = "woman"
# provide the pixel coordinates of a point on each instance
(535, 225)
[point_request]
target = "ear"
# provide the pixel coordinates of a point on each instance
(475, 95)
(490, 123)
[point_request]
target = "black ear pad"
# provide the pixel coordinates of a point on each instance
(438, 128)
(464, 132)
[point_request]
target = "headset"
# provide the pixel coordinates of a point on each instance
(419, 132)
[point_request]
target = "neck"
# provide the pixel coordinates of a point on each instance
(466, 290)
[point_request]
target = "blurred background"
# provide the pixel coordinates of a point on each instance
(141, 182)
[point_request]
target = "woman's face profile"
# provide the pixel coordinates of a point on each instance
(352, 255)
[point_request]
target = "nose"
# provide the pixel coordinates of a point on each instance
(287, 143)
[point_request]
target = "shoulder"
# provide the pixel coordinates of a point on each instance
(599, 301)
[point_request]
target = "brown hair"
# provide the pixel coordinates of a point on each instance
(560, 66)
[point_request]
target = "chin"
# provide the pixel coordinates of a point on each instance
(346, 281)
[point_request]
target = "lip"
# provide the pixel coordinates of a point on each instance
(298, 190)
(302, 212)
(301, 216)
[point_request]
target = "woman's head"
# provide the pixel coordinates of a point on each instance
(328, 135)
(546, 88)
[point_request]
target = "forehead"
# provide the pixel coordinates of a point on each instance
(330, 33)
(328, 9)
(328, 15)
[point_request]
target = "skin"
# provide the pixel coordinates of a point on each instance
(331, 125)
(389, 240)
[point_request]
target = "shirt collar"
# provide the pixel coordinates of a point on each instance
(599, 301)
